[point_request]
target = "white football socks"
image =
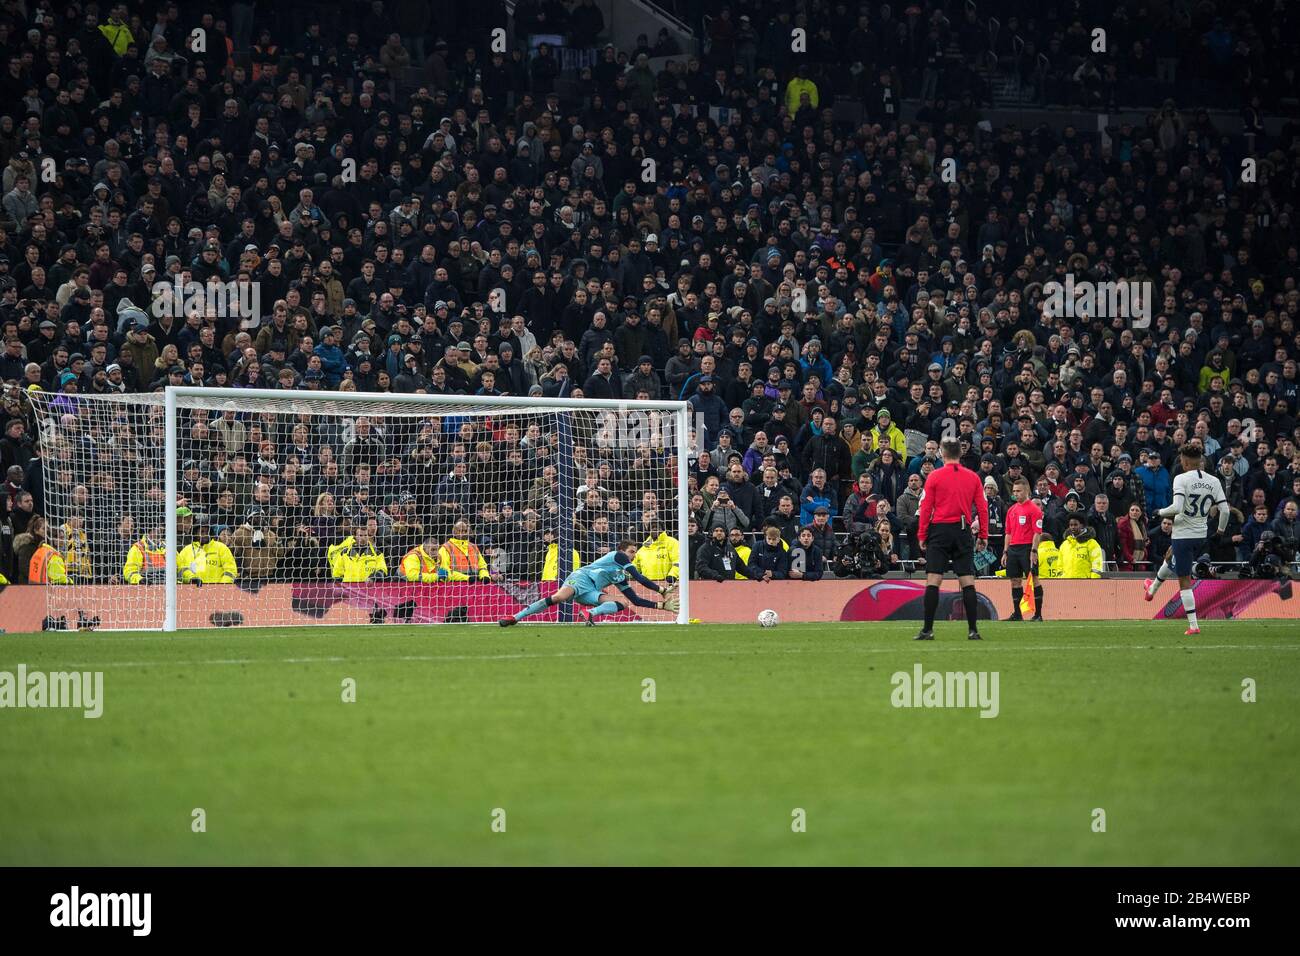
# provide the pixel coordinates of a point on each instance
(1189, 605)
(1163, 574)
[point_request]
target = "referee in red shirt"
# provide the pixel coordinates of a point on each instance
(1020, 549)
(944, 533)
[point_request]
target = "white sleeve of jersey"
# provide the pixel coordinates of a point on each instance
(1195, 495)
(1221, 501)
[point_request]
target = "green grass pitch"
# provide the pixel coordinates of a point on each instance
(549, 724)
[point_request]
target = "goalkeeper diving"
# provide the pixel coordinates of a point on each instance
(586, 584)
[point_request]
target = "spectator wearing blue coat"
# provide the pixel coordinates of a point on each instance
(1157, 482)
(813, 362)
(332, 362)
(818, 493)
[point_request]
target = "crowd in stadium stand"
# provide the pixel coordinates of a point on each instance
(419, 214)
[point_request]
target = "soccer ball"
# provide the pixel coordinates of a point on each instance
(199, 564)
(768, 618)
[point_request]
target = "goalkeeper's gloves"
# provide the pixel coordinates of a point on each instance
(670, 603)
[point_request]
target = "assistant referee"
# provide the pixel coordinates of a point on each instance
(944, 533)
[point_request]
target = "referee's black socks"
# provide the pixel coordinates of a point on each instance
(1038, 600)
(972, 605)
(931, 605)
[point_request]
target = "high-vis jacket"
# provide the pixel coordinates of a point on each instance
(659, 560)
(873, 440)
(47, 567)
(744, 551)
(211, 563)
(1049, 559)
(144, 557)
(462, 560)
(419, 566)
(118, 35)
(794, 88)
(1081, 559)
(551, 565)
(76, 553)
(352, 564)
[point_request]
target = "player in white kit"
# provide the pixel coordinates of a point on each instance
(1196, 494)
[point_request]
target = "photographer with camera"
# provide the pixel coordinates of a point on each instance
(1287, 527)
(724, 514)
(885, 548)
(865, 554)
(1272, 558)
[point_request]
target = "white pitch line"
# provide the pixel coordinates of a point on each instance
(310, 632)
(764, 652)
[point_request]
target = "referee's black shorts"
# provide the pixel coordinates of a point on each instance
(950, 547)
(1017, 561)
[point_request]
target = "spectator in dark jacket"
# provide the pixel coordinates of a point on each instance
(1271, 481)
(887, 478)
(807, 562)
(822, 532)
(604, 382)
(1104, 527)
(770, 558)
(742, 492)
(717, 560)
(1159, 535)
(829, 452)
(1251, 532)
(711, 409)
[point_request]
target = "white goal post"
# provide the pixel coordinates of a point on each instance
(218, 507)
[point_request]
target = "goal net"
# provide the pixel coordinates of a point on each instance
(206, 507)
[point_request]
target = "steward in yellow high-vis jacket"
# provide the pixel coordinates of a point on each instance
(147, 560)
(420, 564)
(117, 33)
(206, 560)
(1049, 559)
(737, 539)
(798, 85)
(659, 558)
(355, 559)
(551, 564)
(76, 550)
(47, 566)
(460, 559)
(1081, 555)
